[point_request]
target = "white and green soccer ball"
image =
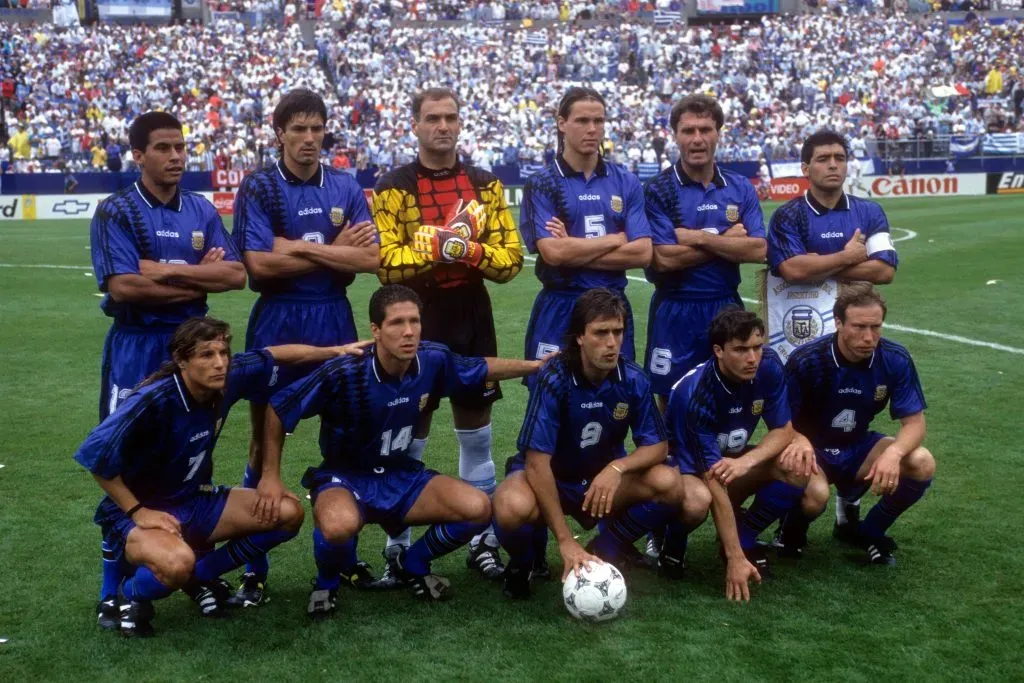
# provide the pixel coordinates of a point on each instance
(597, 594)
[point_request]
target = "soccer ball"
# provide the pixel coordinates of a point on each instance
(595, 595)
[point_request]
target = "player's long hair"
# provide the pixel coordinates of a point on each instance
(571, 97)
(592, 305)
(186, 338)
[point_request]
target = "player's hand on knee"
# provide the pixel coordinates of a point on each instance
(884, 474)
(728, 470)
(798, 457)
(597, 501)
(575, 558)
(556, 227)
(146, 518)
(738, 575)
(269, 492)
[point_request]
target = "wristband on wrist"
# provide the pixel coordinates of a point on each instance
(129, 513)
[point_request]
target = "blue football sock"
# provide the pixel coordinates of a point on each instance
(235, 552)
(540, 540)
(111, 574)
(773, 501)
(521, 544)
(260, 564)
(439, 540)
(144, 586)
(332, 559)
(623, 530)
(891, 506)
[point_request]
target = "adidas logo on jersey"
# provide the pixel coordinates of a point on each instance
(310, 211)
(589, 197)
(850, 390)
(196, 437)
(737, 409)
(707, 207)
(828, 235)
(167, 233)
(592, 404)
(398, 401)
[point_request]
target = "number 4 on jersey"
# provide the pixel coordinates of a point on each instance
(845, 420)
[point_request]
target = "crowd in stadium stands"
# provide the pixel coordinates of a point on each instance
(870, 76)
(24, 4)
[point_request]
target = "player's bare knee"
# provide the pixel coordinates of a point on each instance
(815, 497)
(338, 526)
(919, 464)
(512, 506)
(175, 566)
(794, 479)
(696, 502)
(292, 515)
(664, 481)
(477, 508)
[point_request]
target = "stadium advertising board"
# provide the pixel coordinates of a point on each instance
(224, 202)
(1010, 182)
(784, 189)
(224, 179)
(10, 207)
(950, 185)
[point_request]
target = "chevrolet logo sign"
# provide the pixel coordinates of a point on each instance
(71, 207)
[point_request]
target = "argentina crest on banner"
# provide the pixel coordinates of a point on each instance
(797, 313)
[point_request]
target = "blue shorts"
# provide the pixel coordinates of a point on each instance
(384, 498)
(297, 320)
(130, 355)
(570, 493)
(198, 517)
(677, 336)
(549, 323)
(840, 465)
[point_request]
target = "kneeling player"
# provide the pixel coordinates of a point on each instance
(369, 408)
(572, 458)
(153, 458)
(712, 412)
(837, 384)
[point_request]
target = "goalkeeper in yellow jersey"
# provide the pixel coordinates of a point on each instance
(445, 228)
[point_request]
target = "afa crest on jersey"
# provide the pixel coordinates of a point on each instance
(732, 213)
(757, 407)
(423, 401)
(616, 203)
(621, 411)
(337, 215)
(198, 240)
(881, 391)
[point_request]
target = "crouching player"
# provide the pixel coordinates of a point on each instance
(572, 459)
(154, 459)
(369, 409)
(837, 385)
(711, 414)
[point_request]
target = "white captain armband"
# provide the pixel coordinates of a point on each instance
(880, 241)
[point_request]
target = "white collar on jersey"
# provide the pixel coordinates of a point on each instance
(835, 359)
(181, 392)
(378, 371)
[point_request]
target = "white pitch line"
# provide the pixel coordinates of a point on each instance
(893, 326)
(43, 265)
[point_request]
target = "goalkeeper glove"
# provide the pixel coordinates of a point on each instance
(467, 221)
(446, 246)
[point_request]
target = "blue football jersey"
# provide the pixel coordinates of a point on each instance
(710, 417)
(833, 400)
(160, 440)
(274, 202)
(611, 201)
(583, 427)
(131, 225)
(674, 200)
(367, 416)
(804, 226)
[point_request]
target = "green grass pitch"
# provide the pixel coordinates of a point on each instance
(951, 610)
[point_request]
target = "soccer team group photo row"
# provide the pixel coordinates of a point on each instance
(436, 231)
